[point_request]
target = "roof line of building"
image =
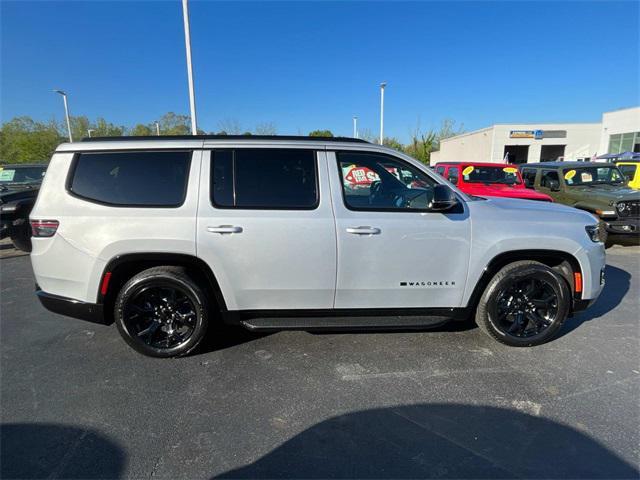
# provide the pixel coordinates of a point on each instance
(473, 132)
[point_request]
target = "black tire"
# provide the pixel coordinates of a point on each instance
(511, 313)
(20, 233)
(161, 312)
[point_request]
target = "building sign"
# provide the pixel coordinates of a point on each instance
(538, 134)
(522, 134)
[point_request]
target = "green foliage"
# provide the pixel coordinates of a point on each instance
(394, 143)
(321, 133)
(23, 140)
(174, 124)
(141, 130)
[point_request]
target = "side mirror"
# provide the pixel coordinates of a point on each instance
(443, 199)
(554, 185)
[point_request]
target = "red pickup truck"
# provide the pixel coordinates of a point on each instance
(488, 180)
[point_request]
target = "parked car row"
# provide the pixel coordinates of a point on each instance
(602, 189)
(19, 185)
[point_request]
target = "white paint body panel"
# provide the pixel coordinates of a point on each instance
(300, 259)
(282, 259)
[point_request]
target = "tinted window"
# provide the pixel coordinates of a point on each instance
(21, 174)
(628, 171)
(267, 178)
(132, 178)
(452, 175)
(379, 182)
(547, 177)
(529, 177)
(440, 171)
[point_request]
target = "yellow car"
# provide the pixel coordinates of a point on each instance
(631, 170)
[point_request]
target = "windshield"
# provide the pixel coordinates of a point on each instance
(497, 174)
(21, 175)
(593, 176)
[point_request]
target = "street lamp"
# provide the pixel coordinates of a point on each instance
(89, 131)
(66, 112)
(355, 127)
(187, 41)
(382, 85)
(157, 129)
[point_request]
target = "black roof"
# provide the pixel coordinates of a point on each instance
(224, 137)
(563, 164)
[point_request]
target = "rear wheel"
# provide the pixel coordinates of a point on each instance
(524, 304)
(161, 312)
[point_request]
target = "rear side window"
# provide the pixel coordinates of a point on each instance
(277, 179)
(132, 179)
(529, 177)
(452, 175)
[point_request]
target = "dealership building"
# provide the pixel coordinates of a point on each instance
(619, 131)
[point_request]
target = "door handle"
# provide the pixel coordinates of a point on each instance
(224, 229)
(363, 230)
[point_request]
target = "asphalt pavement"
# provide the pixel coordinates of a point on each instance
(76, 402)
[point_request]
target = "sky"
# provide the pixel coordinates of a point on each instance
(314, 65)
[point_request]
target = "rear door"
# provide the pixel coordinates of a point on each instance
(266, 228)
(390, 252)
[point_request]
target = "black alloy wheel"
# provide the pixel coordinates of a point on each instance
(161, 312)
(524, 304)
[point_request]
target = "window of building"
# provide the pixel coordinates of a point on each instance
(624, 142)
(381, 182)
(135, 178)
(264, 179)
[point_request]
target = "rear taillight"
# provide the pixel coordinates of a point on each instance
(44, 228)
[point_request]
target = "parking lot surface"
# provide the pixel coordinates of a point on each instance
(447, 403)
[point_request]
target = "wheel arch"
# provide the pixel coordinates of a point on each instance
(562, 262)
(122, 267)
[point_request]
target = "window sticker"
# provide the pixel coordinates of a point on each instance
(586, 177)
(570, 174)
(509, 170)
(467, 170)
(7, 175)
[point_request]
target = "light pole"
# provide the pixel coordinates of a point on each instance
(355, 127)
(66, 112)
(382, 85)
(187, 41)
(89, 131)
(157, 129)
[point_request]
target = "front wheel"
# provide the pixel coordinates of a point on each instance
(161, 312)
(524, 304)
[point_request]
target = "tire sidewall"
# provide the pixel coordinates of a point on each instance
(531, 271)
(134, 286)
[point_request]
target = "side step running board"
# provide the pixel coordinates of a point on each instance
(344, 323)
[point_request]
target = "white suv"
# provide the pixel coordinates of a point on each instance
(166, 235)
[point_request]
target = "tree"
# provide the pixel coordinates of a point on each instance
(141, 130)
(321, 133)
(175, 124)
(23, 140)
(394, 143)
(266, 128)
(231, 126)
(106, 129)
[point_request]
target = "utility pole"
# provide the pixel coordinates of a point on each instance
(187, 41)
(66, 112)
(355, 127)
(382, 86)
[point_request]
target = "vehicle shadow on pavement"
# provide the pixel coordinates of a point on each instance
(616, 287)
(45, 450)
(438, 440)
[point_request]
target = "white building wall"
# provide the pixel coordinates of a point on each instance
(619, 121)
(471, 147)
(582, 140)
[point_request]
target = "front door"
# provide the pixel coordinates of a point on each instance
(266, 228)
(392, 252)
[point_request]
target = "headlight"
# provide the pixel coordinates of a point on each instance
(594, 232)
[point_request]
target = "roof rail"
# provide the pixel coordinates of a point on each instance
(224, 137)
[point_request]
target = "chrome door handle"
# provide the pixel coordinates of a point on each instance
(363, 230)
(224, 229)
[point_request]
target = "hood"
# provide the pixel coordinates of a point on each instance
(503, 190)
(608, 192)
(526, 210)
